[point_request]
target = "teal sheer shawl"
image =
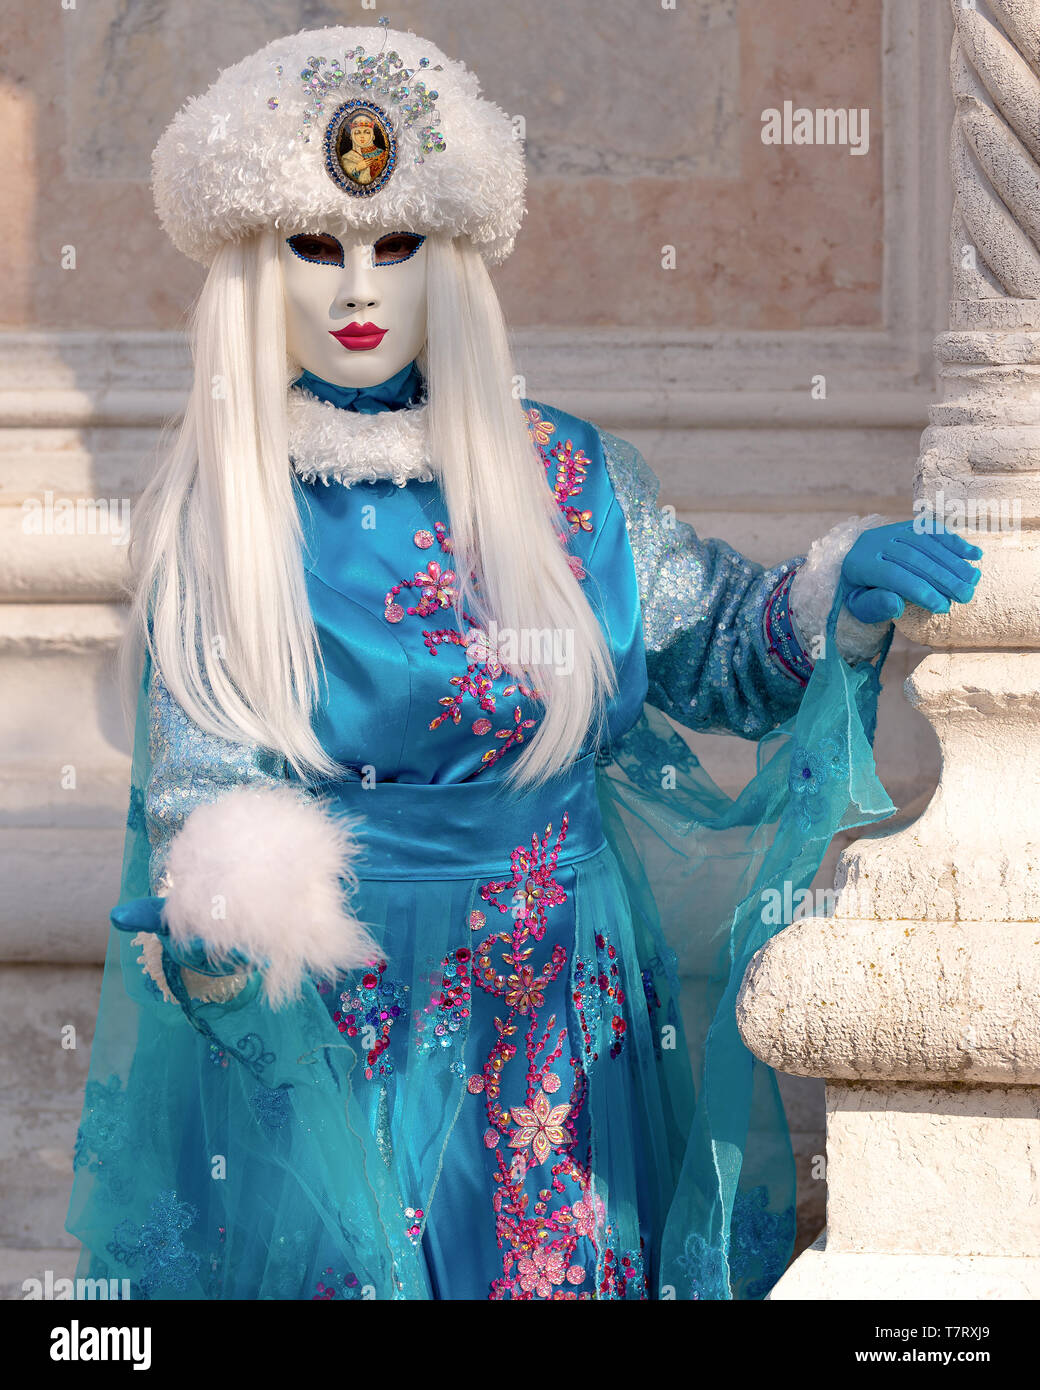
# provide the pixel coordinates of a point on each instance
(317, 1208)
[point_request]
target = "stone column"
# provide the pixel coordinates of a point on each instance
(919, 998)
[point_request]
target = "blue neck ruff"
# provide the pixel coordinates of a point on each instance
(403, 389)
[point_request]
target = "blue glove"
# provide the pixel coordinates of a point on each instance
(145, 915)
(138, 915)
(890, 566)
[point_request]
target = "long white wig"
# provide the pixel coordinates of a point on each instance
(219, 595)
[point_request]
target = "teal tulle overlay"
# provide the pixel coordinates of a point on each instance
(259, 1154)
(731, 1225)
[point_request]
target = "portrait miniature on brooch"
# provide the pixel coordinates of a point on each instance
(360, 149)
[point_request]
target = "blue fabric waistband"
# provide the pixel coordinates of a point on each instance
(461, 830)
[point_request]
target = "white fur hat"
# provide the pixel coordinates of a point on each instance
(265, 147)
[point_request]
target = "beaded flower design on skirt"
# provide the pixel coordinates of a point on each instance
(550, 1225)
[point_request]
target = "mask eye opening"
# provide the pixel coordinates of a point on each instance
(395, 247)
(316, 248)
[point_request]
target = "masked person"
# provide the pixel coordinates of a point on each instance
(423, 979)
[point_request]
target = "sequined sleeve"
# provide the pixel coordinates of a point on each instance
(190, 767)
(720, 651)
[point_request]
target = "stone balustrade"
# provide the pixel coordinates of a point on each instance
(919, 999)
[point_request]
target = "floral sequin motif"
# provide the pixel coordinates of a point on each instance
(272, 1107)
(648, 762)
(533, 1139)
(541, 429)
(597, 990)
(542, 1270)
(540, 1126)
(566, 468)
(752, 1258)
(571, 466)
(370, 1010)
(103, 1136)
(478, 683)
(760, 1241)
(155, 1249)
(812, 774)
(703, 1265)
(436, 589)
(566, 465)
(624, 1274)
(446, 1015)
(105, 1124)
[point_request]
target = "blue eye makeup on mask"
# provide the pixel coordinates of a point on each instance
(319, 248)
(396, 247)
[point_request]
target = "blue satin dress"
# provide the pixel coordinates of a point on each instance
(518, 1100)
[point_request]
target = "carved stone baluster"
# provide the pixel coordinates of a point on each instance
(919, 999)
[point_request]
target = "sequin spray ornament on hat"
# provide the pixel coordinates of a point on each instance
(385, 74)
(281, 137)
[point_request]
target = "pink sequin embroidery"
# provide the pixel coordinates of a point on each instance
(535, 1134)
(566, 468)
(435, 589)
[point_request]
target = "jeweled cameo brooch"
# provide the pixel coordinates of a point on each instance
(360, 148)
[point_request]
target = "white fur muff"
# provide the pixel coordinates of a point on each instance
(266, 871)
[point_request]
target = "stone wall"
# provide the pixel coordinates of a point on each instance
(643, 128)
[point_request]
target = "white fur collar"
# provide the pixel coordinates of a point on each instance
(346, 446)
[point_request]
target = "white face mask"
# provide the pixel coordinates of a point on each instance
(373, 295)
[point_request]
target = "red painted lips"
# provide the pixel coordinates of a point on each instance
(360, 337)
